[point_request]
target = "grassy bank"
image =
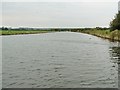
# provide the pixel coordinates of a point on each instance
(16, 32)
(107, 34)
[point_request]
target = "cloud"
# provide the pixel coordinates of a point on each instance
(55, 14)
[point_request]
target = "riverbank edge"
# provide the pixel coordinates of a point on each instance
(16, 32)
(106, 34)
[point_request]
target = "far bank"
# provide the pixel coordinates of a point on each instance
(18, 32)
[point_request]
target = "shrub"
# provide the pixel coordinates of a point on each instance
(115, 24)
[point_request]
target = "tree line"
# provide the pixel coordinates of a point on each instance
(115, 23)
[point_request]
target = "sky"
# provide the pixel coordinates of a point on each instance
(58, 13)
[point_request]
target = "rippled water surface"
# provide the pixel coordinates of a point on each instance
(59, 60)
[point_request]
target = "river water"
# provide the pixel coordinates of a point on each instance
(59, 60)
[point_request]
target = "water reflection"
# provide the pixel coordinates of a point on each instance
(115, 54)
(115, 57)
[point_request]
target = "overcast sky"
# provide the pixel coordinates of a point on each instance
(77, 13)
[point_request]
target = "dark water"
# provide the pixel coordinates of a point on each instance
(59, 60)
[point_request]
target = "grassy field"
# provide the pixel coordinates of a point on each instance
(107, 34)
(16, 32)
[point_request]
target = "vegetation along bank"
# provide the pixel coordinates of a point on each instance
(107, 34)
(16, 32)
(112, 34)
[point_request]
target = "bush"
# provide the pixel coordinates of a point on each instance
(115, 24)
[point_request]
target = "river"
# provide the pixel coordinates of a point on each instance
(59, 60)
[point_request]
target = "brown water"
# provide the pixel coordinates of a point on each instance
(59, 60)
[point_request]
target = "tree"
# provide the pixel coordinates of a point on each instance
(115, 24)
(4, 28)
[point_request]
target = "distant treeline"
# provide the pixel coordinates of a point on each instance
(9, 28)
(56, 29)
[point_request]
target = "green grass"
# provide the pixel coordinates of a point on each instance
(112, 35)
(16, 32)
